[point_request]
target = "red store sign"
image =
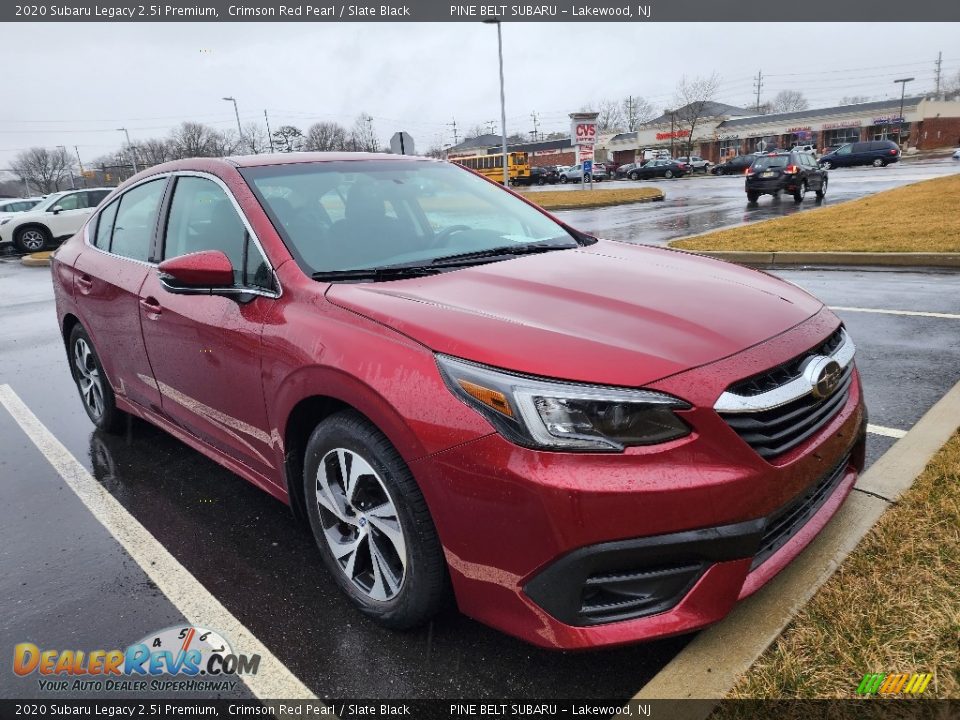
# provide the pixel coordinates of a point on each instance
(673, 135)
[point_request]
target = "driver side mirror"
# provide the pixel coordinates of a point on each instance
(56, 209)
(199, 273)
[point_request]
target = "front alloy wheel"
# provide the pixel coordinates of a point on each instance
(361, 524)
(31, 239)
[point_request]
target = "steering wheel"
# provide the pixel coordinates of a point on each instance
(442, 236)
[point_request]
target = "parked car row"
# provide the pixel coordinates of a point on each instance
(55, 217)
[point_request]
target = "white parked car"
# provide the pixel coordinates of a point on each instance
(11, 206)
(56, 217)
(956, 154)
(697, 163)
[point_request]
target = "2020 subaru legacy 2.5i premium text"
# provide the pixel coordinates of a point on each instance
(589, 443)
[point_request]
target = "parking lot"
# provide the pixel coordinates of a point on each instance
(700, 203)
(76, 587)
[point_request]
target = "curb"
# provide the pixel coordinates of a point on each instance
(716, 658)
(891, 259)
(40, 259)
(653, 198)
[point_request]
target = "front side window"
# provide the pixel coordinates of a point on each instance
(353, 215)
(136, 220)
(845, 150)
(73, 201)
(202, 217)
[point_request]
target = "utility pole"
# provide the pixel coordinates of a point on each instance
(758, 85)
(133, 155)
(630, 119)
(939, 62)
(533, 116)
(903, 87)
(266, 119)
(237, 113)
(80, 163)
(456, 139)
(673, 116)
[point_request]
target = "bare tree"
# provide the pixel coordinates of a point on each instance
(951, 86)
(287, 138)
(789, 101)
(636, 111)
(363, 137)
(46, 170)
(693, 100)
(326, 136)
(854, 99)
(609, 116)
(255, 139)
(154, 151)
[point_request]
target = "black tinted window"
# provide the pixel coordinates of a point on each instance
(778, 161)
(95, 197)
(256, 272)
(136, 220)
(105, 226)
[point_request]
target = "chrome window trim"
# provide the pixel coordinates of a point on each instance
(236, 206)
(730, 402)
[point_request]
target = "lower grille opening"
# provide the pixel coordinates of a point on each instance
(784, 524)
(617, 596)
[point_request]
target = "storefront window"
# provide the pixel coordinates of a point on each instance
(841, 136)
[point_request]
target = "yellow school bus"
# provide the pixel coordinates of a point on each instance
(491, 166)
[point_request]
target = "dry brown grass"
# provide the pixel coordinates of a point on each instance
(893, 606)
(579, 199)
(922, 217)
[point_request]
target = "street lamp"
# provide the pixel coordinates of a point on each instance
(133, 155)
(73, 185)
(903, 88)
(237, 113)
(503, 105)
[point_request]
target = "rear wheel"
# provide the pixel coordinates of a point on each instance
(823, 190)
(95, 391)
(668, 174)
(634, 176)
(371, 523)
(563, 179)
(878, 162)
(752, 197)
(540, 180)
(32, 238)
(826, 165)
(800, 192)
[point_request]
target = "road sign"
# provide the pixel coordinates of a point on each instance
(401, 143)
(587, 167)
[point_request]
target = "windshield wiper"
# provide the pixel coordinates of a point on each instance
(506, 250)
(377, 274)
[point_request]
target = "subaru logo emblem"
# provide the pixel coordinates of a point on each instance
(823, 374)
(363, 521)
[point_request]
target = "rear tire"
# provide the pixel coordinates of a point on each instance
(96, 394)
(801, 191)
(372, 524)
(826, 165)
(752, 197)
(634, 176)
(668, 174)
(878, 162)
(823, 190)
(563, 179)
(32, 238)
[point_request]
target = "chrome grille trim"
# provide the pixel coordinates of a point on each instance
(732, 403)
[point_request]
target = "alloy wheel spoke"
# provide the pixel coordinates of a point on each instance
(358, 468)
(348, 552)
(325, 495)
(390, 528)
(382, 569)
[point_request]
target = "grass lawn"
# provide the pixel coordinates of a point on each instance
(923, 217)
(575, 199)
(892, 607)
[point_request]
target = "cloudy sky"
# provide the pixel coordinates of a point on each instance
(74, 84)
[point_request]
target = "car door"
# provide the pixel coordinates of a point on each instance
(107, 284)
(68, 214)
(844, 156)
(815, 174)
(205, 348)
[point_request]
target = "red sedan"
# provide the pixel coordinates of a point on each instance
(588, 443)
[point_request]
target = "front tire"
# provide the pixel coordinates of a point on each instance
(823, 190)
(32, 238)
(372, 524)
(634, 176)
(826, 165)
(668, 174)
(98, 399)
(563, 179)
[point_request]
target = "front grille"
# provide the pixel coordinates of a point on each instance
(773, 432)
(784, 524)
(785, 372)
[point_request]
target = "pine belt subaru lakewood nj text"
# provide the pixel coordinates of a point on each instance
(589, 443)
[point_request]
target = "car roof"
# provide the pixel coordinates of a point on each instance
(311, 157)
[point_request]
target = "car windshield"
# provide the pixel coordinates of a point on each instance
(765, 163)
(356, 215)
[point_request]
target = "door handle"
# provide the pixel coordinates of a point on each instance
(85, 282)
(150, 305)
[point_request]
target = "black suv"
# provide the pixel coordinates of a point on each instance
(875, 152)
(734, 166)
(543, 175)
(794, 172)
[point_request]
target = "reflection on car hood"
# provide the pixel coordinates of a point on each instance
(610, 313)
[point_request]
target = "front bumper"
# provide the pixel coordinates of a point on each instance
(576, 551)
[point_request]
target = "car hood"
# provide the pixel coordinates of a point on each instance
(609, 313)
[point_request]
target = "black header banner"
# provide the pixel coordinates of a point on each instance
(639, 11)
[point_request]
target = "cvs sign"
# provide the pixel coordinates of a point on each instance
(583, 132)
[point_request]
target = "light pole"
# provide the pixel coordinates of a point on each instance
(62, 149)
(237, 113)
(503, 104)
(133, 155)
(903, 88)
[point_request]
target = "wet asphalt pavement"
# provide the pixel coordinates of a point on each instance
(700, 203)
(64, 582)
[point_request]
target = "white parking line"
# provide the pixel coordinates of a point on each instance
(917, 313)
(186, 593)
(886, 431)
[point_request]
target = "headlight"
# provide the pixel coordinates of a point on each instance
(564, 416)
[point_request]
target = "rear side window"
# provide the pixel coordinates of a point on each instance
(105, 226)
(95, 197)
(136, 220)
